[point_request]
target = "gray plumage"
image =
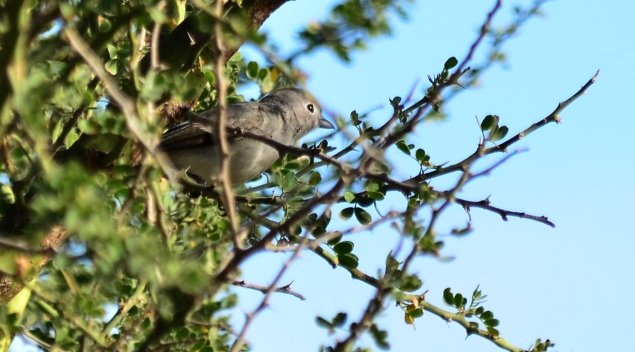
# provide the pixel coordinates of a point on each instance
(283, 116)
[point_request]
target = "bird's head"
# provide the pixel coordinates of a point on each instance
(303, 104)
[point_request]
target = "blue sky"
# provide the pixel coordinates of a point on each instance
(571, 284)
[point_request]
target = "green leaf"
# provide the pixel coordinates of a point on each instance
(347, 213)
(315, 178)
(391, 263)
(473, 325)
(365, 201)
(410, 283)
(71, 138)
(288, 182)
(420, 154)
(448, 297)
(416, 313)
(343, 247)
(355, 118)
(349, 196)
(252, 70)
(182, 333)
(375, 196)
(111, 67)
(491, 322)
(112, 51)
(450, 63)
(380, 337)
(340, 319)
(458, 300)
(489, 122)
(263, 73)
(492, 331)
(348, 260)
(8, 263)
(373, 186)
(486, 315)
(363, 216)
(323, 323)
(500, 134)
(401, 144)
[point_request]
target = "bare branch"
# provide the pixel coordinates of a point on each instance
(22, 247)
(373, 308)
(240, 340)
(286, 289)
(553, 117)
(485, 204)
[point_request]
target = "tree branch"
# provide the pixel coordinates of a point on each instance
(553, 117)
(224, 181)
(126, 104)
(485, 204)
(460, 319)
(286, 289)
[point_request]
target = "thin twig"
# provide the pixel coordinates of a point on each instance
(240, 340)
(232, 264)
(485, 204)
(154, 48)
(552, 117)
(286, 289)
(373, 308)
(434, 96)
(123, 309)
(21, 247)
(220, 129)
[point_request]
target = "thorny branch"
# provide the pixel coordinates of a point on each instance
(553, 117)
(505, 214)
(220, 129)
(264, 303)
(264, 289)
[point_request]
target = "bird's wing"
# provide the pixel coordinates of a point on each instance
(195, 132)
(198, 131)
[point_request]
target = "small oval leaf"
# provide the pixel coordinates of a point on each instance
(450, 63)
(448, 297)
(343, 247)
(363, 216)
(347, 213)
(348, 260)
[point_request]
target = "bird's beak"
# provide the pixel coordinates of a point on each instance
(324, 123)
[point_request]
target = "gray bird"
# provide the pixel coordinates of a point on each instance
(284, 116)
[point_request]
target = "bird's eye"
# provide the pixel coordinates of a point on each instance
(310, 107)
